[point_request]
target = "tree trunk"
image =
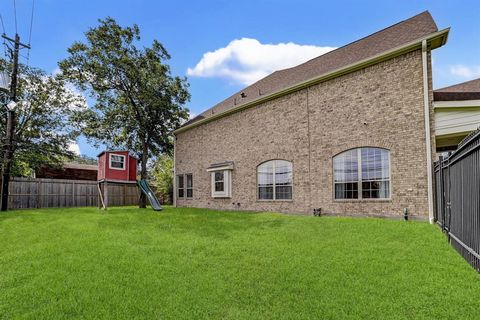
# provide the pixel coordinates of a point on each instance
(143, 173)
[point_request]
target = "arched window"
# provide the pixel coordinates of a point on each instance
(362, 173)
(274, 180)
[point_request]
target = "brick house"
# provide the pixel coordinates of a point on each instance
(350, 132)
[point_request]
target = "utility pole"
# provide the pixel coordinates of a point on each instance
(10, 129)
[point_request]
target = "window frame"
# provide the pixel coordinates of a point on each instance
(124, 167)
(177, 186)
(359, 177)
(186, 185)
(227, 183)
(273, 184)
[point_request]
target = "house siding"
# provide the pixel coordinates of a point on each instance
(379, 106)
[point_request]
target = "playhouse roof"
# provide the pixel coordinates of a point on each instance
(114, 151)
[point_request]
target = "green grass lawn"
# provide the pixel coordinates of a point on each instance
(128, 263)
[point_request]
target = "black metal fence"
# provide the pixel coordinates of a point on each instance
(457, 198)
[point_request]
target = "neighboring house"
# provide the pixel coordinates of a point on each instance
(350, 132)
(457, 113)
(69, 171)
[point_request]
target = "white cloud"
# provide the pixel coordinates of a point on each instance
(78, 100)
(463, 71)
(247, 60)
(74, 147)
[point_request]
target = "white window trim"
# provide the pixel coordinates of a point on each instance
(359, 181)
(274, 182)
(227, 183)
(185, 183)
(117, 155)
(177, 185)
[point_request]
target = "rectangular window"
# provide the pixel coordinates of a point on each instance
(117, 161)
(189, 178)
(221, 184)
(180, 187)
(219, 181)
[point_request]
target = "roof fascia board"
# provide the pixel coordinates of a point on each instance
(456, 104)
(434, 40)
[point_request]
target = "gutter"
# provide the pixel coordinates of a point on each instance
(174, 200)
(428, 138)
(435, 40)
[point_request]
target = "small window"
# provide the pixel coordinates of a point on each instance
(362, 173)
(219, 181)
(221, 184)
(180, 187)
(117, 162)
(275, 180)
(189, 178)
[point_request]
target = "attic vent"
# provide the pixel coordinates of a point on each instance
(243, 95)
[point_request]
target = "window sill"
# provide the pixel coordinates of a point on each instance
(362, 200)
(277, 200)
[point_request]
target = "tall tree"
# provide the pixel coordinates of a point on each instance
(138, 102)
(163, 175)
(43, 130)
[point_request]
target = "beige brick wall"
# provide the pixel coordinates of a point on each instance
(380, 106)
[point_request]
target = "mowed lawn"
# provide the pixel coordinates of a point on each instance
(128, 263)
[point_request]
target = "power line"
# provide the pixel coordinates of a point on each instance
(3, 26)
(30, 33)
(15, 14)
(31, 22)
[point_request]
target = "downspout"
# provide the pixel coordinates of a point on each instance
(174, 171)
(428, 141)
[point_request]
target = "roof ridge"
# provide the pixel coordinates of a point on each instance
(361, 39)
(395, 35)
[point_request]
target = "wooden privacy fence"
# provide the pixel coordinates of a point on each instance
(50, 193)
(457, 203)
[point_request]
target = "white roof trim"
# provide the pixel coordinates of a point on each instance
(456, 103)
(227, 167)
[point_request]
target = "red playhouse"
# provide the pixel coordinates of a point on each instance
(119, 168)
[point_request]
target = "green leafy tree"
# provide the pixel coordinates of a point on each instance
(138, 103)
(163, 175)
(43, 130)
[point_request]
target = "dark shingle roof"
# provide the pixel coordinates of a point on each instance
(81, 166)
(469, 90)
(394, 36)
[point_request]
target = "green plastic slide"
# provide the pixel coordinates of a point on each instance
(150, 195)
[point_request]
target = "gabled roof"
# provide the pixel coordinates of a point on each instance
(469, 90)
(403, 35)
(117, 151)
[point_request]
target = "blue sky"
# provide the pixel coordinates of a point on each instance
(189, 29)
